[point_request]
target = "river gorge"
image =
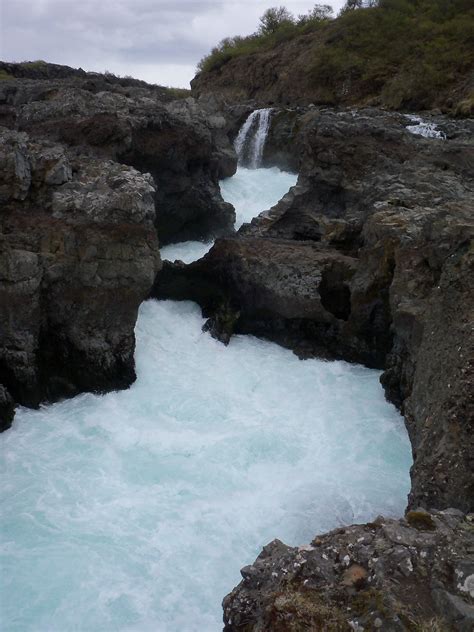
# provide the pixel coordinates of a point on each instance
(147, 462)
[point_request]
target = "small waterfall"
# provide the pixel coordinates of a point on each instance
(251, 138)
(424, 128)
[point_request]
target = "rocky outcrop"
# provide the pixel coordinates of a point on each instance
(367, 258)
(78, 254)
(183, 145)
(395, 575)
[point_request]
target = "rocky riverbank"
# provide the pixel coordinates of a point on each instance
(93, 171)
(412, 574)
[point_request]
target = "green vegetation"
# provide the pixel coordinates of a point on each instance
(276, 25)
(420, 520)
(178, 93)
(404, 52)
(36, 64)
(5, 76)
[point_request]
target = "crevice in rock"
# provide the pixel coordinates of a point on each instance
(335, 293)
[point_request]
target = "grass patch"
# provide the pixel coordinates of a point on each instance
(5, 76)
(178, 93)
(420, 520)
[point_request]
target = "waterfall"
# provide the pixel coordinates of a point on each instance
(251, 138)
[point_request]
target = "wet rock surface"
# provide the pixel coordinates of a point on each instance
(396, 575)
(368, 258)
(78, 254)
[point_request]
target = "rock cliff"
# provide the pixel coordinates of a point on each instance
(183, 145)
(78, 253)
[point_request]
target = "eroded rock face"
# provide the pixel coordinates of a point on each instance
(78, 254)
(182, 144)
(394, 575)
(368, 258)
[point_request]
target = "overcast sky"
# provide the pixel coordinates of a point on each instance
(157, 40)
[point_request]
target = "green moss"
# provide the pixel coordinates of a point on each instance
(465, 108)
(298, 612)
(5, 76)
(37, 63)
(420, 520)
(367, 601)
(178, 93)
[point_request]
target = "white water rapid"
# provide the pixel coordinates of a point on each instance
(424, 128)
(134, 511)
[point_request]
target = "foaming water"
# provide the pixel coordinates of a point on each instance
(424, 128)
(186, 251)
(250, 191)
(135, 510)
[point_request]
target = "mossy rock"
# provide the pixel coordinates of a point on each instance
(5, 76)
(465, 108)
(420, 520)
(298, 612)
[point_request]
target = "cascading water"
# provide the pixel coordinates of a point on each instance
(251, 138)
(134, 511)
(424, 128)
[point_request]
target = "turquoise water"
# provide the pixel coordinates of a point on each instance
(134, 511)
(250, 191)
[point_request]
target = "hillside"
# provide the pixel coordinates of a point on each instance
(401, 54)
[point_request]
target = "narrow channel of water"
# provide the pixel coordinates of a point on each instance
(251, 191)
(134, 511)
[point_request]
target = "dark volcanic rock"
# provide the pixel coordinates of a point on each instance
(78, 254)
(7, 409)
(393, 575)
(368, 258)
(182, 144)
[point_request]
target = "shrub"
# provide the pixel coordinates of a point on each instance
(273, 19)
